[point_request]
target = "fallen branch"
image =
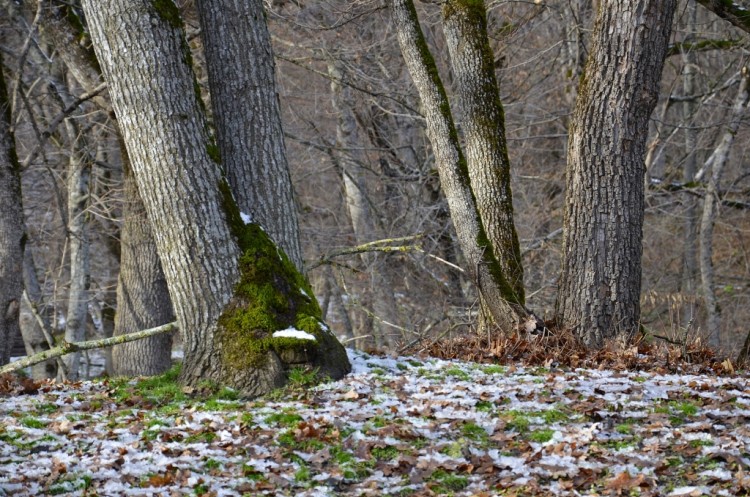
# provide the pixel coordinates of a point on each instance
(68, 347)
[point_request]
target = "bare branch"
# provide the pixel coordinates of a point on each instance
(68, 348)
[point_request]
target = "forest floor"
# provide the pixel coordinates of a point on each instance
(404, 426)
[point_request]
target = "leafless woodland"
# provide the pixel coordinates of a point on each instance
(363, 172)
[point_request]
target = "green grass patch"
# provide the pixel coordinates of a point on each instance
(474, 432)
(30, 422)
(518, 422)
(384, 453)
(542, 436)
(443, 482)
(458, 373)
(284, 418)
(491, 369)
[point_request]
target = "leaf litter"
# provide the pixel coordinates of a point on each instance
(404, 426)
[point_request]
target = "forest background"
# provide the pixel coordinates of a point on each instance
(363, 169)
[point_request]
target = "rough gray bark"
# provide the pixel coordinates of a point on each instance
(350, 161)
(142, 294)
(478, 96)
(12, 231)
(247, 118)
(482, 262)
(599, 290)
(205, 247)
(715, 164)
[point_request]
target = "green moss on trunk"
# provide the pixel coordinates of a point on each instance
(270, 295)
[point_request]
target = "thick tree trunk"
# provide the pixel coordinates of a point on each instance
(482, 261)
(12, 231)
(230, 286)
(142, 294)
(600, 286)
(247, 116)
(465, 27)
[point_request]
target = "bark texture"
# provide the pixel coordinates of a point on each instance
(247, 117)
(482, 261)
(599, 290)
(12, 231)
(35, 320)
(227, 288)
(142, 294)
(465, 27)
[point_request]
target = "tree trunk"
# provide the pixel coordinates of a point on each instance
(731, 11)
(247, 116)
(690, 230)
(230, 286)
(600, 286)
(12, 231)
(472, 61)
(716, 163)
(576, 27)
(79, 171)
(32, 311)
(142, 294)
(482, 261)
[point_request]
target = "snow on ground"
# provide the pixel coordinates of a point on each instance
(401, 427)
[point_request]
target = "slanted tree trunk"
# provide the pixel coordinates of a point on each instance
(12, 231)
(33, 310)
(734, 11)
(247, 116)
(483, 264)
(231, 287)
(142, 294)
(599, 290)
(478, 96)
(715, 164)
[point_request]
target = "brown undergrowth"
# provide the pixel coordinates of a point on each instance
(563, 349)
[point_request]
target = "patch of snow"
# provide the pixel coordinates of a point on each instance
(293, 333)
(246, 218)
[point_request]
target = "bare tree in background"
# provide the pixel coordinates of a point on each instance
(12, 232)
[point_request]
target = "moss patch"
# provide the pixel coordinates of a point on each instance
(271, 295)
(167, 10)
